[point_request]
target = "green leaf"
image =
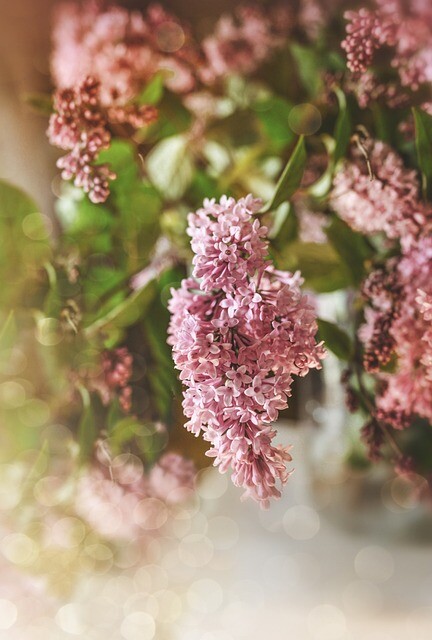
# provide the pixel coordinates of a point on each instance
(173, 119)
(319, 264)
(335, 339)
(170, 166)
(343, 127)
(162, 375)
(86, 427)
(126, 313)
(24, 245)
(352, 248)
(273, 113)
(423, 141)
(153, 92)
(41, 103)
(309, 66)
(284, 228)
(7, 331)
(291, 177)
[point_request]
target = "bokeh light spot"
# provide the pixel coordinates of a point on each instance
(195, 550)
(205, 596)
(326, 622)
(374, 563)
(68, 619)
(301, 522)
(211, 485)
(48, 332)
(8, 614)
(37, 226)
(19, 549)
(170, 37)
(304, 119)
(138, 625)
(150, 513)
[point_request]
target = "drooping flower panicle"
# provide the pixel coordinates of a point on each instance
(405, 306)
(240, 330)
(78, 126)
(387, 202)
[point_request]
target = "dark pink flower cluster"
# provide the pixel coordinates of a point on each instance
(240, 330)
(114, 377)
(122, 49)
(407, 391)
(366, 32)
(121, 501)
(405, 27)
(386, 201)
(78, 126)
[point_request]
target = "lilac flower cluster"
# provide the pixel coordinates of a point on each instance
(366, 33)
(405, 28)
(120, 501)
(78, 126)
(240, 330)
(122, 49)
(243, 41)
(405, 310)
(114, 377)
(387, 202)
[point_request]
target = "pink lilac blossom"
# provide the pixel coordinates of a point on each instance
(387, 202)
(406, 392)
(172, 478)
(240, 330)
(113, 380)
(366, 33)
(368, 89)
(122, 49)
(117, 499)
(78, 126)
(404, 27)
(243, 41)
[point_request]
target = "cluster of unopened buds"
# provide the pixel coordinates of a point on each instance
(404, 29)
(80, 125)
(240, 330)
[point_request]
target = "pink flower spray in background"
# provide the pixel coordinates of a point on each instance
(121, 501)
(386, 202)
(122, 49)
(240, 330)
(405, 28)
(400, 297)
(113, 379)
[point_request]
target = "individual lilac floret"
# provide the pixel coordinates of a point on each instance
(240, 330)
